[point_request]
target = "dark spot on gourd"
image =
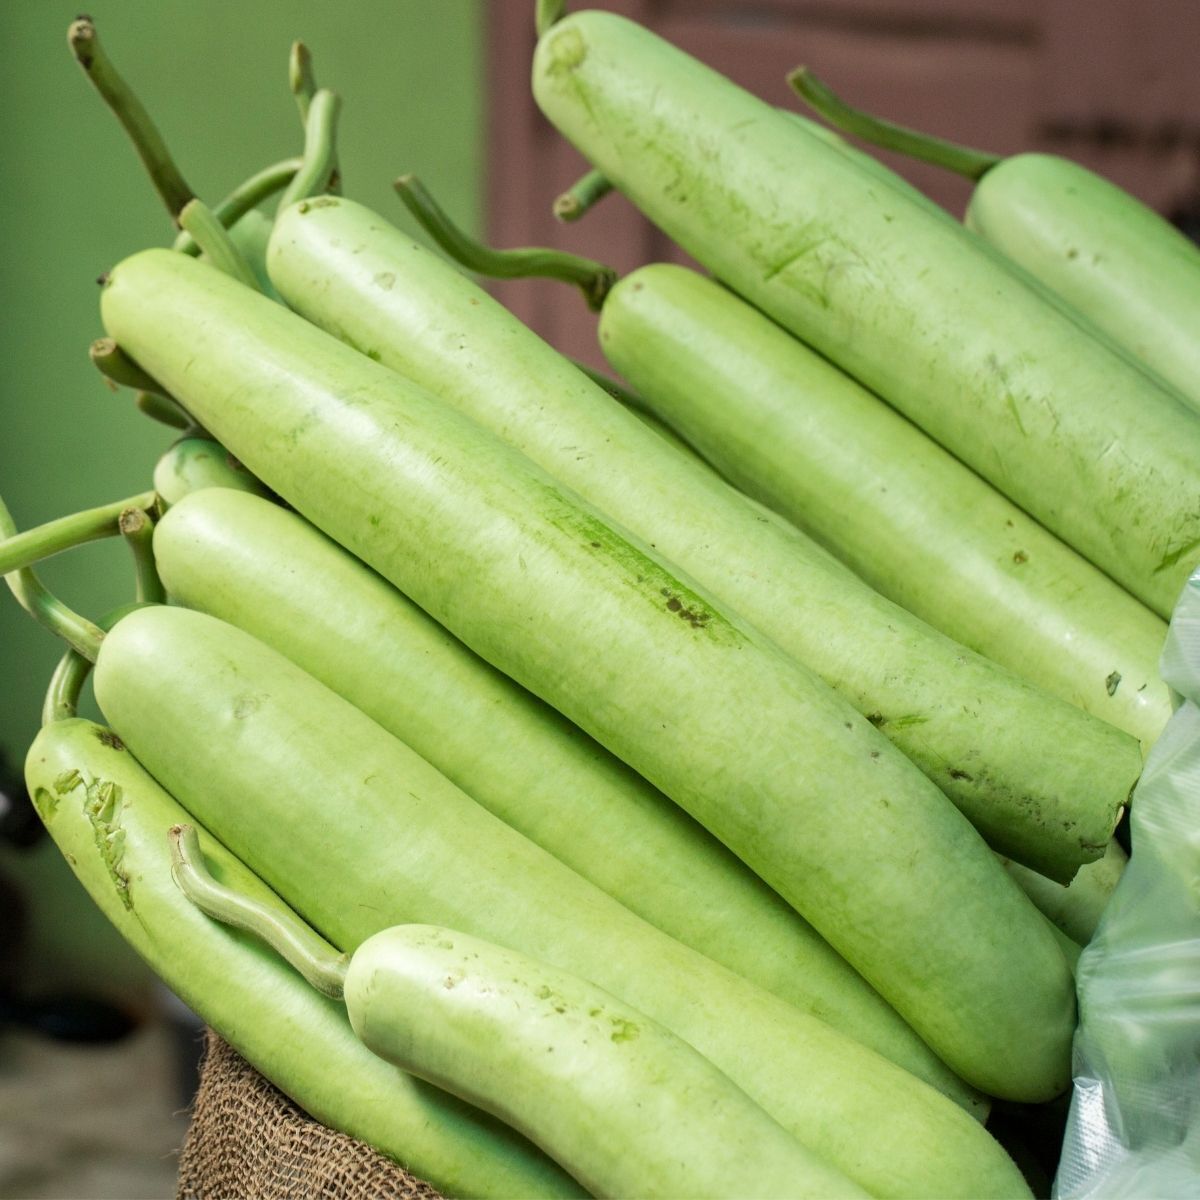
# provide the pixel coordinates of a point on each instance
(246, 706)
(108, 738)
(1113, 682)
(1072, 253)
(696, 617)
(1020, 556)
(374, 355)
(958, 773)
(874, 753)
(623, 1030)
(595, 545)
(385, 280)
(876, 718)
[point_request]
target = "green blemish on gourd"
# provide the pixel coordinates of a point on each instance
(103, 807)
(46, 803)
(640, 571)
(566, 50)
(1173, 557)
(623, 1030)
(68, 781)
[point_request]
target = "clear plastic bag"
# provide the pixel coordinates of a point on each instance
(1134, 1124)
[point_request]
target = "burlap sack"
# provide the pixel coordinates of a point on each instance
(248, 1141)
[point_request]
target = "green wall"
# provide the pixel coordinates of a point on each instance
(73, 200)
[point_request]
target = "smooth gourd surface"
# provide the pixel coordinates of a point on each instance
(249, 562)
(771, 761)
(357, 832)
(110, 819)
(1116, 260)
(990, 741)
(790, 428)
(899, 298)
(622, 1103)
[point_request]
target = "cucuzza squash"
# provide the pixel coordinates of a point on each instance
(898, 297)
(795, 782)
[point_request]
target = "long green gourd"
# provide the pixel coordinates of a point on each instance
(760, 752)
(624, 1105)
(1127, 269)
(789, 428)
(357, 833)
(901, 299)
(1042, 781)
(249, 562)
(109, 818)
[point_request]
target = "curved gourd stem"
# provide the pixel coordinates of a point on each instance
(137, 528)
(65, 687)
(579, 198)
(275, 924)
(19, 550)
(546, 13)
(164, 410)
(320, 150)
(45, 608)
(61, 701)
(593, 278)
(248, 194)
(114, 364)
(961, 159)
(301, 80)
(128, 109)
(213, 239)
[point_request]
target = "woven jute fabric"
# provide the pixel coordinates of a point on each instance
(248, 1141)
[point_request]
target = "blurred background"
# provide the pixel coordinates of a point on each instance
(440, 89)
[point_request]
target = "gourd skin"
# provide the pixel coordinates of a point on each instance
(116, 842)
(272, 574)
(990, 741)
(788, 427)
(628, 1108)
(536, 583)
(1131, 272)
(899, 298)
(357, 833)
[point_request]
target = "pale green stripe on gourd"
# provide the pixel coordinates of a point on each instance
(899, 298)
(766, 757)
(110, 820)
(356, 833)
(789, 428)
(269, 572)
(994, 744)
(1115, 259)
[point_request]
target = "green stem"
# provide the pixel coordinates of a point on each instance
(128, 109)
(213, 239)
(593, 278)
(579, 198)
(301, 79)
(66, 685)
(248, 194)
(924, 147)
(24, 549)
(275, 924)
(547, 13)
(45, 608)
(164, 410)
(113, 363)
(320, 150)
(137, 528)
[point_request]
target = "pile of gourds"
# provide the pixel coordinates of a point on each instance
(719, 825)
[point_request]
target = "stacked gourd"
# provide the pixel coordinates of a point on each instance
(695, 832)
